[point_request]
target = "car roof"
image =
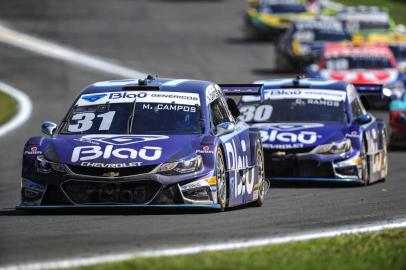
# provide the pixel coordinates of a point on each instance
(149, 83)
(292, 83)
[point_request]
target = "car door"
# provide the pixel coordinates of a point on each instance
(231, 144)
(372, 136)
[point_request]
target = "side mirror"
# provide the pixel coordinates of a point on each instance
(232, 106)
(363, 119)
(225, 128)
(48, 128)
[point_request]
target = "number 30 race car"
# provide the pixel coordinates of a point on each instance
(316, 130)
(145, 143)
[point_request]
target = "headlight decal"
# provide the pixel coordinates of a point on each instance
(333, 148)
(182, 166)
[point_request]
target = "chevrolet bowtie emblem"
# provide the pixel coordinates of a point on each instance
(280, 153)
(111, 174)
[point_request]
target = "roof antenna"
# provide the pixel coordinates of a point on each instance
(296, 80)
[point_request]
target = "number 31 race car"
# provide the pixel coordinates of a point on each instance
(152, 142)
(316, 130)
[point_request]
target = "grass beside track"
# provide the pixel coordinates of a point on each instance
(379, 250)
(396, 8)
(7, 107)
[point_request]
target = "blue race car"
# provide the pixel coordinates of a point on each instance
(151, 142)
(316, 130)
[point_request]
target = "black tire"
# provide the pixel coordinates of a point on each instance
(222, 187)
(365, 163)
(261, 176)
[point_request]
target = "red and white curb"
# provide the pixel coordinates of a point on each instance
(24, 108)
(189, 250)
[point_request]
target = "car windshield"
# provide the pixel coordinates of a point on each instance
(283, 8)
(141, 115)
(399, 51)
(310, 31)
(294, 106)
(312, 35)
(358, 62)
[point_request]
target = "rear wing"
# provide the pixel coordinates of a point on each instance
(372, 90)
(241, 89)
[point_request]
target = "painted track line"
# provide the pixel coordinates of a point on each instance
(60, 52)
(24, 108)
(188, 250)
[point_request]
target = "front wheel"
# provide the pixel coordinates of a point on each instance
(261, 176)
(221, 181)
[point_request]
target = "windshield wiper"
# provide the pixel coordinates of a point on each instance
(130, 120)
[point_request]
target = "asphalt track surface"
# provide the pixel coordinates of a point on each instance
(192, 39)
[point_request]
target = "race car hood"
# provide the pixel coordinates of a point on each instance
(362, 76)
(300, 135)
(125, 150)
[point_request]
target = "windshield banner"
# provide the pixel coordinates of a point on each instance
(140, 96)
(306, 94)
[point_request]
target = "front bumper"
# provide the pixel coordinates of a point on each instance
(136, 191)
(312, 167)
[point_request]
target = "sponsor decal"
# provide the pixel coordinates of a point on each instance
(237, 162)
(110, 165)
(205, 150)
(33, 151)
(120, 139)
(87, 153)
(332, 95)
(353, 134)
(140, 96)
(93, 98)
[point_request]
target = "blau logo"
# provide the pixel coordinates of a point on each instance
(94, 98)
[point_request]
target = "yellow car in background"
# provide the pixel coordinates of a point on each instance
(267, 19)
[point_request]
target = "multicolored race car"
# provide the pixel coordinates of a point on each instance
(304, 41)
(267, 19)
(145, 143)
(363, 20)
(316, 130)
(397, 122)
(364, 64)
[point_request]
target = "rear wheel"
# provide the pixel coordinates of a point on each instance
(365, 164)
(221, 181)
(261, 176)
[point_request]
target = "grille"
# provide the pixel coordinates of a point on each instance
(92, 171)
(89, 192)
(290, 166)
(290, 151)
(54, 196)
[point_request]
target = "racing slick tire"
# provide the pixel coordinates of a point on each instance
(222, 187)
(365, 164)
(261, 176)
